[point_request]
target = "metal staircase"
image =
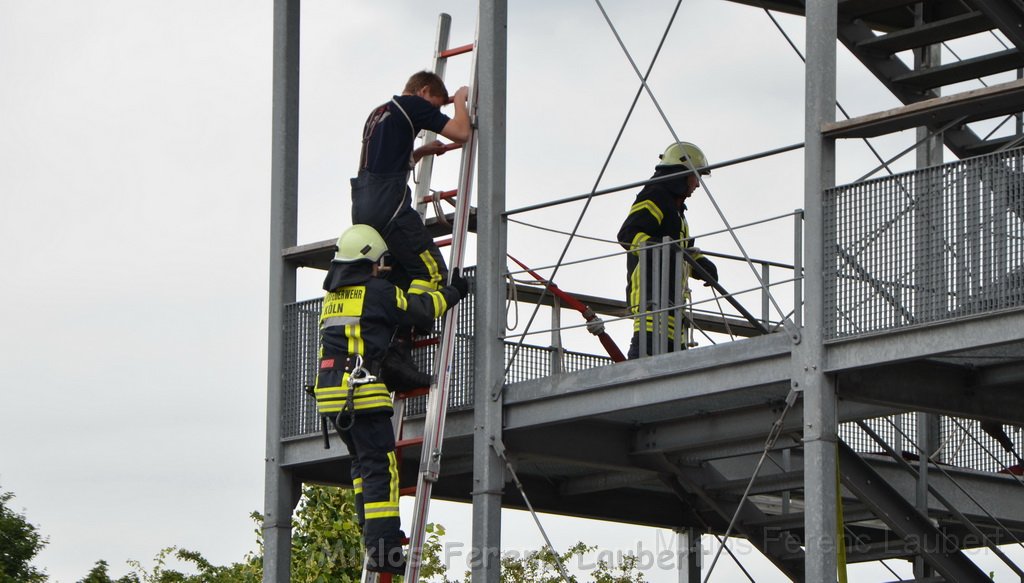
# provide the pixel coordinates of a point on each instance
(875, 31)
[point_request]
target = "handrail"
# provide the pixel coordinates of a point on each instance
(640, 183)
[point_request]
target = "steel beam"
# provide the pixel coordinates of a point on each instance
(781, 548)
(714, 374)
(901, 516)
(1008, 16)
(934, 388)
(926, 340)
(606, 481)
(698, 434)
(488, 468)
(591, 444)
(281, 490)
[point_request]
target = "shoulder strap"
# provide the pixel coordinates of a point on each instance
(412, 128)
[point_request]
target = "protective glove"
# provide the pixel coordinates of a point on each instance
(596, 326)
(459, 283)
(709, 267)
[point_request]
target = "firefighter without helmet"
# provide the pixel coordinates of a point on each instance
(684, 154)
(359, 243)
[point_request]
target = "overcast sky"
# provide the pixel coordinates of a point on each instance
(134, 191)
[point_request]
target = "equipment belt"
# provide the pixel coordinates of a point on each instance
(348, 364)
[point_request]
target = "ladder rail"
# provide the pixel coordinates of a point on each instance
(437, 401)
(426, 165)
(437, 397)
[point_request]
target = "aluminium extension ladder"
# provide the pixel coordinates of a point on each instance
(437, 394)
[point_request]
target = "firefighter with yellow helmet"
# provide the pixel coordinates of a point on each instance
(659, 211)
(360, 315)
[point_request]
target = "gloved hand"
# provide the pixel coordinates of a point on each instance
(459, 283)
(709, 267)
(596, 326)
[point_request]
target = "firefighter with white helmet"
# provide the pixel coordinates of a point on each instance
(360, 314)
(659, 211)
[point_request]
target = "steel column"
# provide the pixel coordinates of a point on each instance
(689, 555)
(488, 469)
(931, 292)
(820, 428)
(281, 489)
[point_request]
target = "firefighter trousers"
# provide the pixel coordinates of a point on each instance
(383, 201)
(371, 440)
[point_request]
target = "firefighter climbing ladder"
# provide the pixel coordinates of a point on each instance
(437, 397)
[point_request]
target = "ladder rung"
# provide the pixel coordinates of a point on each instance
(408, 442)
(434, 341)
(413, 393)
(443, 195)
(407, 491)
(456, 51)
(443, 242)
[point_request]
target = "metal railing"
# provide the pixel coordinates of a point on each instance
(925, 246)
(962, 442)
(302, 338)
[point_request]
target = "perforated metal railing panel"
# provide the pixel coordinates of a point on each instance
(925, 246)
(962, 443)
(302, 338)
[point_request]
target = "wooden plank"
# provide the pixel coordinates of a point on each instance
(318, 255)
(972, 105)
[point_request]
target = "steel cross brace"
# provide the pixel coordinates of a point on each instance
(780, 547)
(905, 520)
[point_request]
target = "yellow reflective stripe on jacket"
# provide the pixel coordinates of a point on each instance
(435, 274)
(650, 207)
(638, 241)
(338, 321)
(400, 300)
(649, 320)
(420, 286)
(634, 290)
(354, 333)
(440, 304)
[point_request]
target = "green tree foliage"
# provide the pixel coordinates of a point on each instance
(20, 542)
(248, 571)
(542, 567)
(327, 548)
(100, 574)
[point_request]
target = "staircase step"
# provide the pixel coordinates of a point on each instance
(965, 70)
(989, 146)
(852, 9)
(928, 34)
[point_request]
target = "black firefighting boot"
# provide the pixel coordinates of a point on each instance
(386, 556)
(399, 370)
